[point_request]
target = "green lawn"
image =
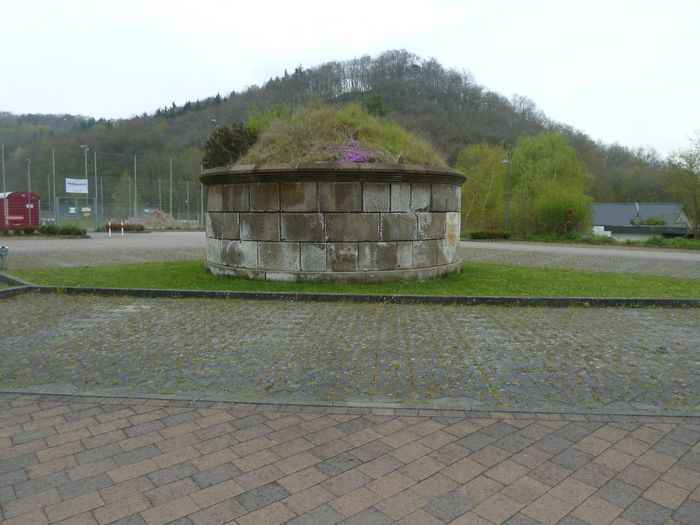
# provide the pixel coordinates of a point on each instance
(476, 279)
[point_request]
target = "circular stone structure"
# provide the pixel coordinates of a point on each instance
(333, 222)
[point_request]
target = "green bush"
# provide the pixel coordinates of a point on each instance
(48, 229)
(29, 229)
(490, 234)
(72, 230)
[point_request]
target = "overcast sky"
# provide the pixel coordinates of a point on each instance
(625, 71)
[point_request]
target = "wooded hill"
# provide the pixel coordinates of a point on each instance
(445, 106)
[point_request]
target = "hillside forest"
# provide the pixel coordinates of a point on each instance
(473, 128)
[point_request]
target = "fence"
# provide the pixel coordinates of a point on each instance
(119, 186)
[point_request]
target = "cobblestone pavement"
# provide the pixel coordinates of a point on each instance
(671, 263)
(126, 461)
(616, 360)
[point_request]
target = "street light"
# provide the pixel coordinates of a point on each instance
(29, 188)
(85, 148)
(29, 175)
(506, 163)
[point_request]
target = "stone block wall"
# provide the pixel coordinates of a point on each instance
(325, 227)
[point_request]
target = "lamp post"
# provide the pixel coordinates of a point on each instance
(506, 163)
(4, 187)
(29, 175)
(86, 148)
(29, 188)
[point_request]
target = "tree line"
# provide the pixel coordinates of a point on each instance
(445, 106)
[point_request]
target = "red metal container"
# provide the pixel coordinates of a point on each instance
(19, 208)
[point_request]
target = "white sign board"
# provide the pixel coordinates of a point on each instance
(76, 186)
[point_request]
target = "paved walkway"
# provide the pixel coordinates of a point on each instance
(104, 460)
(100, 249)
(611, 359)
(671, 263)
(86, 460)
(163, 246)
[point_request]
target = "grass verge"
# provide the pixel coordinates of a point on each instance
(476, 279)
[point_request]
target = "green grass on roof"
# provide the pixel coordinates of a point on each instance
(328, 134)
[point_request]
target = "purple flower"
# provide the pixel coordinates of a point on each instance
(353, 152)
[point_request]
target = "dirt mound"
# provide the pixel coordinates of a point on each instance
(157, 219)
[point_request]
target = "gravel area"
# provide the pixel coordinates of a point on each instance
(671, 263)
(614, 360)
(99, 249)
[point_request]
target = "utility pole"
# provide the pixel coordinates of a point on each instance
(187, 185)
(97, 215)
(86, 148)
(48, 189)
(160, 202)
(53, 173)
(29, 175)
(4, 187)
(201, 205)
(171, 185)
(29, 188)
(135, 186)
(506, 163)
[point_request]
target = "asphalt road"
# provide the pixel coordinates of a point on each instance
(100, 249)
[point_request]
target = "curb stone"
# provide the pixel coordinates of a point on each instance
(556, 302)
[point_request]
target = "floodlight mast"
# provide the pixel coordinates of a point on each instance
(506, 163)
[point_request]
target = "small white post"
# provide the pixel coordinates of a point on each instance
(122, 228)
(109, 228)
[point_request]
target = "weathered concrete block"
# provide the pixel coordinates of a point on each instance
(305, 227)
(340, 196)
(376, 196)
(400, 196)
(430, 225)
(235, 197)
(347, 227)
(265, 196)
(298, 196)
(231, 226)
(425, 253)
(341, 257)
(214, 247)
(240, 254)
(214, 198)
(445, 197)
(420, 197)
(397, 226)
(404, 255)
(452, 227)
(447, 253)
(260, 226)
(279, 256)
(377, 256)
(313, 257)
(213, 224)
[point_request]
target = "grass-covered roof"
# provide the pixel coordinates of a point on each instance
(348, 134)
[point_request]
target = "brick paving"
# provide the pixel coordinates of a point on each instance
(79, 460)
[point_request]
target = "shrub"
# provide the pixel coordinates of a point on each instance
(72, 230)
(227, 144)
(48, 229)
(490, 234)
(29, 229)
